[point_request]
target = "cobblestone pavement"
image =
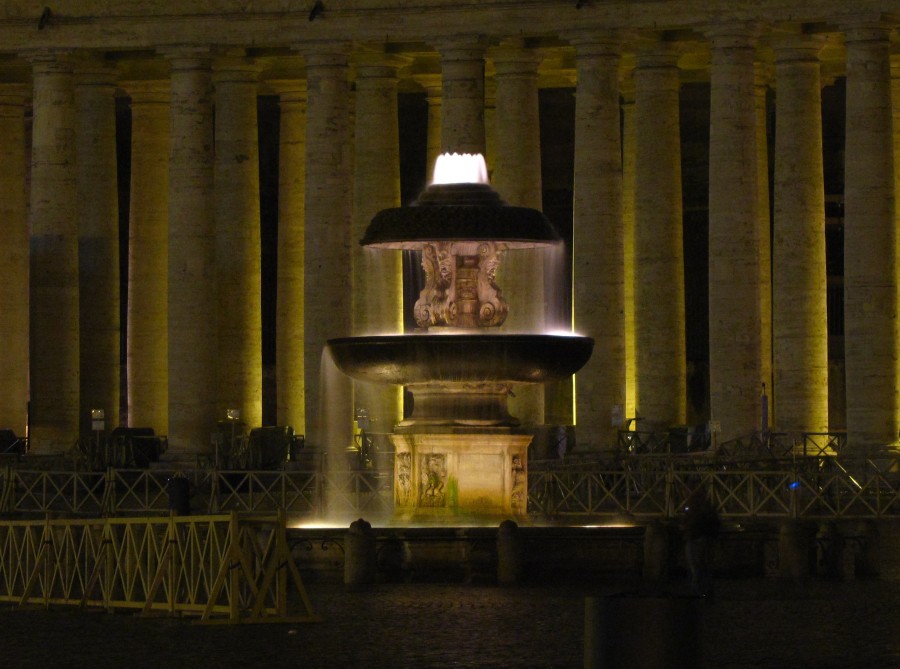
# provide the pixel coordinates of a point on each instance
(749, 623)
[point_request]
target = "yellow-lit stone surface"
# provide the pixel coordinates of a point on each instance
(658, 249)
(453, 476)
(238, 239)
(598, 274)
(289, 351)
(377, 276)
(14, 254)
(801, 343)
(870, 290)
(98, 240)
(192, 305)
(735, 368)
(147, 347)
(55, 368)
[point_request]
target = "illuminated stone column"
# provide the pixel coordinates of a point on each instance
(54, 309)
(98, 242)
(432, 85)
(462, 96)
(377, 275)
(517, 177)
(328, 216)
(14, 260)
(289, 350)
(658, 249)
(629, 177)
(598, 281)
(238, 260)
(895, 109)
(193, 345)
(763, 73)
(870, 283)
(148, 253)
(735, 372)
(800, 315)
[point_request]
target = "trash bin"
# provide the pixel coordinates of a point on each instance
(179, 490)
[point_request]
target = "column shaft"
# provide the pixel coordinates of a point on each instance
(870, 283)
(432, 85)
(761, 88)
(517, 177)
(54, 380)
(734, 303)
(658, 249)
(377, 275)
(462, 97)
(98, 244)
(238, 259)
(328, 215)
(193, 347)
(598, 281)
(14, 260)
(629, 177)
(289, 317)
(801, 335)
(148, 252)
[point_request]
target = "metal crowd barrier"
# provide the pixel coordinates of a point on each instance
(641, 486)
(224, 568)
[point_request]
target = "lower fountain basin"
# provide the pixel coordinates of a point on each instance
(460, 380)
(467, 358)
(417, 359)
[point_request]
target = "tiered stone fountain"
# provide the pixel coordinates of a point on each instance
(460, 455)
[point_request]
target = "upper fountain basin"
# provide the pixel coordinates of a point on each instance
(418, 358)
(470, 212)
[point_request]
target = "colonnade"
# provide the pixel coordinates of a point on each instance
(193, 337)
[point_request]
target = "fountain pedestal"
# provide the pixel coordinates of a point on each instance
(457, 475)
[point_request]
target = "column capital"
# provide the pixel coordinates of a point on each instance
(461, 47)
(653, 51)
(92, 70)
(147, 91)
(734, 35)
(289, 90)
(866, 28)
(187, 57)
(235, 67)
(12, 99)
(323, 54)
(797, 46)
(50, 61)
(378, 57)
(512, 57)
(595, 42)
(431, 82)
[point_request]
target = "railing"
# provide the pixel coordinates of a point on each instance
(659, 487)
(641, 486)
(218, 568)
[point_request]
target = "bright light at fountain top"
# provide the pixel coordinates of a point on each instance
(460, 168)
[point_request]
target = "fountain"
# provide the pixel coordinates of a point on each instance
(459, 453)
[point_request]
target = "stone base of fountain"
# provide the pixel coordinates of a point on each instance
(457, 477)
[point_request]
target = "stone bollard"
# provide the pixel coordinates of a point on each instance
(656, 553)
(509, 554)
(179, 491)
(830, 546)
(868, 548)
(641, 632)
(794, 544)
(359, 555)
